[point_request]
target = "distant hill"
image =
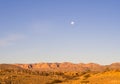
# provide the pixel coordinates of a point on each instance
(10, 67)
(67, 66)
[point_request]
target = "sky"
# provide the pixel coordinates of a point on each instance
(78, 31)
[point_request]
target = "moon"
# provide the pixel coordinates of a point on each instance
(72, 22)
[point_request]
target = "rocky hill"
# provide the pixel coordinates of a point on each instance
(67, 66)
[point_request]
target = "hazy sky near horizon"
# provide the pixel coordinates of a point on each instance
(33, 31)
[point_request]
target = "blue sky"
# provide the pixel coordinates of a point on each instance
(33, 31)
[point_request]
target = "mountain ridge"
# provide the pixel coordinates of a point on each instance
(68, 66)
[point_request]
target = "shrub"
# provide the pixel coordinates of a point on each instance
(56, 81)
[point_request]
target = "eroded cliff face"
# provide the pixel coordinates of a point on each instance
(66, 66)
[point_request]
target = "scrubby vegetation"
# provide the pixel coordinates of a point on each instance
(16, 75)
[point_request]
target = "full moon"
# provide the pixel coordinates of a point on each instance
(72, 22)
